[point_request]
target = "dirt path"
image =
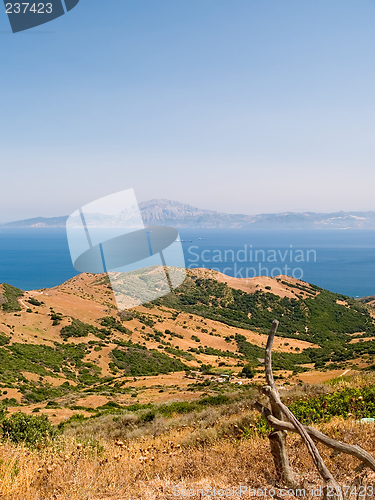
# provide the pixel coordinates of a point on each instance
(22, 303)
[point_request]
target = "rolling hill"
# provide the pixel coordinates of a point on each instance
(67, 349)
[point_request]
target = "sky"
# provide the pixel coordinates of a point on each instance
(240, 106)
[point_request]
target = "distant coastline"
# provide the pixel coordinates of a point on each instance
(180, 215)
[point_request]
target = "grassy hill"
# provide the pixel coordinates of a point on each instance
(141, 401)
(67, 349)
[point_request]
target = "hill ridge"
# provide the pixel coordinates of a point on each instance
(183, 215)
(67, 348)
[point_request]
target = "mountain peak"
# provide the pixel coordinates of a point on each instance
(182, 215)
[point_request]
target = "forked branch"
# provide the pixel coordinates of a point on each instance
(278, 408)
(308, 434)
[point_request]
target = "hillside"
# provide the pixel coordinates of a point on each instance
(180, 215)
(150, 401)
(205, 447)
(67, 349)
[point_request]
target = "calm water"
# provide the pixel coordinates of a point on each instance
(341, 261)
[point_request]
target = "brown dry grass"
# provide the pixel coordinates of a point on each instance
(154, 467)
(134, 459)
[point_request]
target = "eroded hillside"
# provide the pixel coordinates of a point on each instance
(68, 349)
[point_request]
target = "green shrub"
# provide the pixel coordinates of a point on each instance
(28, 429)
(149, 416)
(34, 301)
(110, 322)
(77, 417)
(248, 371)
(4, 340)
(206, 369)
(56, 318)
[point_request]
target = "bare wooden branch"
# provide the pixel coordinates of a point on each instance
(277, 438)
(268, 355)
(349, 449)
(330, 484)
(353, 450)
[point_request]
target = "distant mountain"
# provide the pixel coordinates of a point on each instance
(180, 215)
(39, 222)
(173, 213)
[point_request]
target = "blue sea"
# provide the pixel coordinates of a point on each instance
(342, 261)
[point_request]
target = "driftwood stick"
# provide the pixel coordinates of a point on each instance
(277, 438)
(331, 487)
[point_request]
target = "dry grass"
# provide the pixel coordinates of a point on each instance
(154, 467)
(131, 426)
(358, 380)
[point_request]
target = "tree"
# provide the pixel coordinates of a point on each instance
(248, 371)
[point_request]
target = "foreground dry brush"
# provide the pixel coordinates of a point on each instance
(159, 467)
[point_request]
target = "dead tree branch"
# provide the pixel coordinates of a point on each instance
(331, 487)
(353, 450)
(277, 437)
(308, 434)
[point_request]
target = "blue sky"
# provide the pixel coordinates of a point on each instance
(245, 106)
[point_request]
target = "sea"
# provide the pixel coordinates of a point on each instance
(342, 261)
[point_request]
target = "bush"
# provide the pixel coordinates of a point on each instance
(110, 322)
(34, 302)
(4, 340)
(28, 429)
(149, 416)
(206, 369)
(56, 318)
(248, 371)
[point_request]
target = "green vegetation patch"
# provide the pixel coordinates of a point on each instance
(136, 360)
(359, 402)
(27, 429)
(4, 339)
(11, 294)
(63, 359)
(33, 301)
(318, 318)
(167, 410)
(180, 353)
(78, 328)
(111, 322)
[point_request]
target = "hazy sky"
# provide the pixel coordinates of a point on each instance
(243, 106)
